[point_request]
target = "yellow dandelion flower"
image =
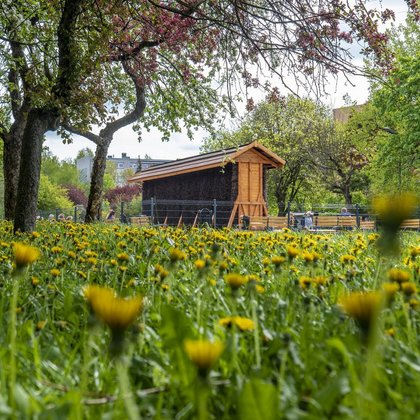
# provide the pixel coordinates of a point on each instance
(203, 353)
(362, 307)
(244, 324)
(307, 256)
(35, 235)
(259, 289)
(292, 252)
(223, 266)
(372, 237)
(199, 264)
(399, 276)
(24, 254)
(293, 269)
(415, 251)
(390, 332)
(414, 303)
(278, 260)
(176, 254)
(305, 282)
(390, 290)
(116, 313)
(235, 280)
(35, 281)
(55, 272)
(71, 254)
(131, 283)
(394, 209)
(408, 288)
(347, 259)
(252, 278)
(320, 280)
(40, 325)
(123, 256)
(56, 249)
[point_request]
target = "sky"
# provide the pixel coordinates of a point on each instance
(179, 146)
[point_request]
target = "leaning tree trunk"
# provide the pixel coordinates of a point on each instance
(97, 180)
(38, 123)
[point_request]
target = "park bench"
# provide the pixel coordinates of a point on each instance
(334, 222)
(267, 222)
(367, 225)
(140, 220)
(411, 224)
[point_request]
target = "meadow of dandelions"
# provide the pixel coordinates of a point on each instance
(123, 322)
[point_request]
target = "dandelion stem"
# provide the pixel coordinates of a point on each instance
(125, 390)
(202, 398)
(12, 335)
(256, 333)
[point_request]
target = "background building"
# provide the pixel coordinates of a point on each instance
(122, 164)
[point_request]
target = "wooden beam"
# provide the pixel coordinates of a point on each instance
(232, 215)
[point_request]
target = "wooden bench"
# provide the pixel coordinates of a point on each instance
(335, 222)
(410, 224)
(140, 220)
(367, 225)
(267, 222)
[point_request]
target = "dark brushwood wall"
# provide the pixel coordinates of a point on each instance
(215, 183)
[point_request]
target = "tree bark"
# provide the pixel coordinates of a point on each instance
(347, 195)
(38, 123)
(97, 180)
(11, 165)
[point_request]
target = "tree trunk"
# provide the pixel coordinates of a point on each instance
(347, 195)
(11, 164)
(11, 160)
(97, 180)
(38, 123)
(281, 195)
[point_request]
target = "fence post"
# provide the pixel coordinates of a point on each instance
(56, 214)
(152, 210)
(122, 212)
(357, 216)
(75, 214)
(214, 212)
(288, 214)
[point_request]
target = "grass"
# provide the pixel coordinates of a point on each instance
(305, 358)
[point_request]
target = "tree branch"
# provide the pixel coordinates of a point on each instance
(87, 134)
(132, 116)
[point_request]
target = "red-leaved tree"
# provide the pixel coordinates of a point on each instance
(125, 193)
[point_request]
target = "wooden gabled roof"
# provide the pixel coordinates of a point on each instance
(207, 161)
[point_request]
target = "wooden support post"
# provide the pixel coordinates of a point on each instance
(179, 222)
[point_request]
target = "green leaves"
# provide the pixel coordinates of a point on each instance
(258, 401)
